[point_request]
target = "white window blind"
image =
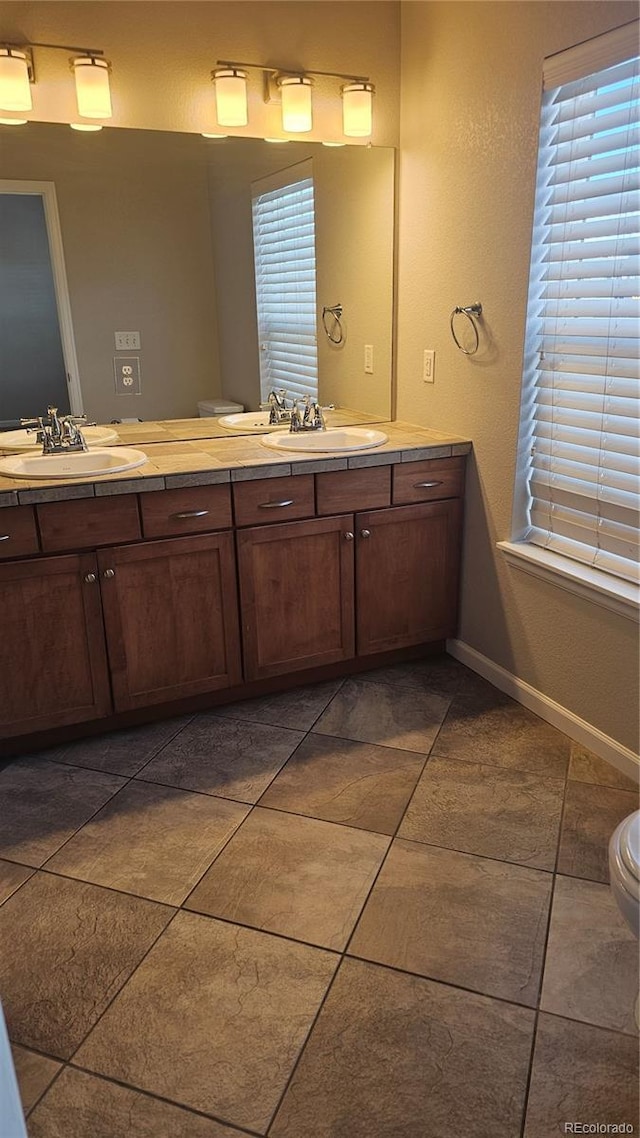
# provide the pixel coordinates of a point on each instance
(581, 382)
(285, 267)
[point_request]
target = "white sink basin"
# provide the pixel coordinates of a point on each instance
(326, 442)
(12, 441)
(78, 464)
(249, 421)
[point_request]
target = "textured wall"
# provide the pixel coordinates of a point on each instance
(163, 54)
(471, 81)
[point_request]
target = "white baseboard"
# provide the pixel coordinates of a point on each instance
(572, 725)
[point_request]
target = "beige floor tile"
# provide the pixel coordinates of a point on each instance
(587, 767)
(477, 808)
(227, 757)
(298, 708)
(34, 1073)
(151, 840)
(11, 878)
(83, 1106)
(383, 714)
(339, 780)
(213, 1019)
(395, 1056)
(295, 876)
(66, 948)
(439, 675)
(591, 814)
(591, 969)
(42, 804)
(121, 752)
(458, 918)
(502, 733)
(581, 1073)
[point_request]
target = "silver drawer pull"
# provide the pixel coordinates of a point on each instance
(90, 578)
(191, 514)
(109, 573)
(426, 485)
(348, 535)
(5, 537)
(275, 505)
(365, 533)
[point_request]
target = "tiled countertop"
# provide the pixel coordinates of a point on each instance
(193, 452)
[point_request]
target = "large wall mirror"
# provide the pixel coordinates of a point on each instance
(156, 236)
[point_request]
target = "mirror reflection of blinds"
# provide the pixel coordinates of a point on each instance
(285, 266)
(581, 378)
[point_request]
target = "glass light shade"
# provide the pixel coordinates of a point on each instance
(92, 87)
(13, 122)
(357, 116)
(86, 126)
(205, 135)
(231, 97)
(296, 103)
(15, 92)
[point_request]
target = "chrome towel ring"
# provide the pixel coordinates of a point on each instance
(335, 332)
(472, 312)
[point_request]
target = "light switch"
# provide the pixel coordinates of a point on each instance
(428, 366)
(368, 359)
(127, 341)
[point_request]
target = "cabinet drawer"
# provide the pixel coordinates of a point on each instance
(194, 509)
(273, 499)
(426, 481)
(366, 489)
(88, 522)
(18, 533)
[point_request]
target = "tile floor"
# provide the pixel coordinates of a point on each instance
(374, 908)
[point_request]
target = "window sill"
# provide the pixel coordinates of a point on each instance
(621, 597)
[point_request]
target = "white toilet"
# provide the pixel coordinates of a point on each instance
(624, 872)
(213, 408)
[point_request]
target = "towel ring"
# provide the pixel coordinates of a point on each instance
(334, 310)
(472, 312)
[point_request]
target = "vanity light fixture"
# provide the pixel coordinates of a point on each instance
(293, 89)
(13, 122)
(231, 96)
(205, 135)
(90, 68)
(15, 92)
(357, 111)
(92, 87)
(86, 126)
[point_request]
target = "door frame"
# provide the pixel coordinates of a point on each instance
(47, 191)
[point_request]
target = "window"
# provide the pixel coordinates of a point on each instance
(285, 265)
(579, 458)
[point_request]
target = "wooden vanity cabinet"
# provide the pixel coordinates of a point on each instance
(53, 665)
(296, 591)
(407, 575)
(171, 618)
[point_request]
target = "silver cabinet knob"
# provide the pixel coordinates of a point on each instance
(109, 573)
(90, 578)
(365, 533)
(348, 535)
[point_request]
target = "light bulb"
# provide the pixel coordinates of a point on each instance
(357, 109)
(296, 103)
(15, 92)
(231, 97)
(92, 87)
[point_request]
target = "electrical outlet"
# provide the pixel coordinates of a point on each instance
(368, 359)
(127, 373)
(428, 365)
(127, 341)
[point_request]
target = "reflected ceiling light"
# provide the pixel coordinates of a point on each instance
(205, 135)
(92, 87)
(295, 92)
(277, 140)
(357, 112)
(86, 126)
(231, 96)
(334, 144)
(15, 92)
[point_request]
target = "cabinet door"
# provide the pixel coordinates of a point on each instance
(53, 668)
(171, 616)
(407, 575)
(296, 588)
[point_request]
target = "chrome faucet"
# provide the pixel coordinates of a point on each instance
(311, 419)
(58, 433)
(277, 406)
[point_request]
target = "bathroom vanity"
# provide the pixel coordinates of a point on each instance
(216, 573)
